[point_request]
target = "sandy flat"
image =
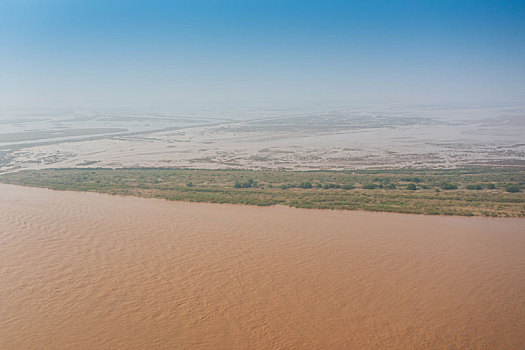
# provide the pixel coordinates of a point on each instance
(93, 271)
(330, 139)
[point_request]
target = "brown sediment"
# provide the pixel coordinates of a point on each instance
(93, 271)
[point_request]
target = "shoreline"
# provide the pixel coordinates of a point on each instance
(276, 206)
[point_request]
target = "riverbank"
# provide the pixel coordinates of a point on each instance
(480, 191)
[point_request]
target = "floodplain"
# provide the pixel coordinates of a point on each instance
(479, 191)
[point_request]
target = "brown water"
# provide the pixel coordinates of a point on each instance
(92, 271)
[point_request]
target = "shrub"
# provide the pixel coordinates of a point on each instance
(327, 186)
(512, 188)
(348, 187)
(474, 187)
(305, 185)
(411, 187)
(370, 186)
(448, 186)
(248, 184)
(491, 186)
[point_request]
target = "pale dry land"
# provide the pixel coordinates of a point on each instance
(332, 139)
(93, 271)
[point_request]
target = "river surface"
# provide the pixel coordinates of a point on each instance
(94, 271)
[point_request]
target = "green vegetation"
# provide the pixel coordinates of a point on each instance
(448, 186)
(474, 191)
(329, 186)
(512, 188)
(411, 187)
(248, 184)
(370, 186)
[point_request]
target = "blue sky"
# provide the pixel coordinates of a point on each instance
(159, 53)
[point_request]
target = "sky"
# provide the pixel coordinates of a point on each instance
(128, 53)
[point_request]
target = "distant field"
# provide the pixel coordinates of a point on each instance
(469, 192)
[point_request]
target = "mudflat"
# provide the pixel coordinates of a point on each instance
(94, 271)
